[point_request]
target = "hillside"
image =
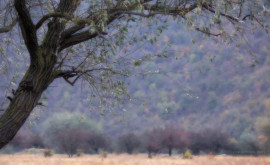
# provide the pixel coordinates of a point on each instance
(200, 83)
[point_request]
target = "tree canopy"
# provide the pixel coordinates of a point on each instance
(93, 40)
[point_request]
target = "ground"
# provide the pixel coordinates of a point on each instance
(123, 159)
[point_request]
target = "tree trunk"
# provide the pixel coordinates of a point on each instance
(35, 81)
(149, 154)
(41, 73)
(170, 151)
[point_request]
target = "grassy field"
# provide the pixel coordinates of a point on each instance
(140, 159)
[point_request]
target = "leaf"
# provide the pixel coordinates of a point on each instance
(138, 63)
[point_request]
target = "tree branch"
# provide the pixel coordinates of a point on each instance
(70, 37)
(69, 74)
(77, 38)
(55, 26)
(27, 27)
(68, 32)
(80, 24)
(177, 10)
(70, 40)
(209, 8)
(257, 20)
(208, 33)
(52, 15)
(41, 104)
(74, 81)
(83, 22)
(237, 19)
(7, 28)
(73, 73)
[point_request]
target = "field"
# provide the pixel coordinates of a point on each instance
(122, 159)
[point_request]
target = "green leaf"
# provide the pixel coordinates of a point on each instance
(138, 63)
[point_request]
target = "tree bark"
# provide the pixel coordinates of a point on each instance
(35, 81)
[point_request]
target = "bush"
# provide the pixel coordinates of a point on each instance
(104, 154)
(264, 126)
(79, 152)
(48, 153)
(31, 151)
(26, 139)
(187, 155)
(248, 144)
(7, 150)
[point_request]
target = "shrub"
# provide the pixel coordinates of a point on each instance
(104, 154)
(31, 151)
(248, 144)
(7, 150)
(79, 152)
(26, 139)
(48, 153)
(187, 155)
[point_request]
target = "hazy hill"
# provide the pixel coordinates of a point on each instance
(201, 83)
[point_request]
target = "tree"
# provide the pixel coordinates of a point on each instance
(103, 27)
(128, 142)
(68, 132)
(152, 141)
(209, 140)
(263, 124)
(248, 144)
(97, 141)
(173, 138)
(25, 139)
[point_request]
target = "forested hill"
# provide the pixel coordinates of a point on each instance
(200, 83)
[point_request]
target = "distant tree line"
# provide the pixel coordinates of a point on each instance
(69, 133)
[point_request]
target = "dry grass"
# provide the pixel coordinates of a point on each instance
(140, 159)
